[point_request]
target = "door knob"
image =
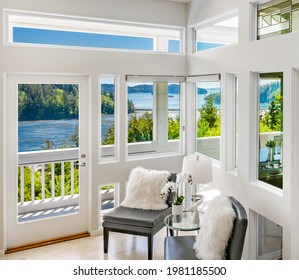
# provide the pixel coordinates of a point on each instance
(82, 164)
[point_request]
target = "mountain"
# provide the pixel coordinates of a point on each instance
(172, 89)
(267, 91)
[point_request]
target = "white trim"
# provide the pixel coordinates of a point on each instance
(253, 126)
(68, 222)
(229, 121)
(96, 232)
(294, 166)
(2, 252)
(109, 149)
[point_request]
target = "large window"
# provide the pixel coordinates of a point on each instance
(270, 164)
(277, 18)
(154, 114)
(208, 115)
(218, 34)
(41, 29)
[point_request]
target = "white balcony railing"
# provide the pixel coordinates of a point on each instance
(48, 182)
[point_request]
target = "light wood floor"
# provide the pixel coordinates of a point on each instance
(121, 247)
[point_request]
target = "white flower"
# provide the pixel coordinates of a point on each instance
(168, 188)
(184, 177)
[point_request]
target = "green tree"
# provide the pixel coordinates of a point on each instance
(272, 119)
(209, 121)
(109, 136)
(140, 129)
(174, 128)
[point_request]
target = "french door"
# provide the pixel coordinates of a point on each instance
(46, 157)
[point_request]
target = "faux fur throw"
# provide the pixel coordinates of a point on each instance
(215, 229)
(144, 189)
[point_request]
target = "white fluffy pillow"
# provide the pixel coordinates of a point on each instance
(144, 189)
(215, 230)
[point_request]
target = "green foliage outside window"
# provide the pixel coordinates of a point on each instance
(208, 123)
(48, 181)
(271, 120)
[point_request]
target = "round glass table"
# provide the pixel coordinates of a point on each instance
(182, 222)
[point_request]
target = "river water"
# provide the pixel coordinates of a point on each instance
(33, 134)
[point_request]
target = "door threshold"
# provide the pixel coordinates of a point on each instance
(46, 242)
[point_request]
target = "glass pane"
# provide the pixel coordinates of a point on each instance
(48, 116)
(140, 112)
(107, 199)
(274, 19)
(70, 31)
(107, 132)
(216, 35)
(48, 120)
(271, 129)
(236, 123)
(80, 39)
(269, 239)
(174, 111)
(208, 118)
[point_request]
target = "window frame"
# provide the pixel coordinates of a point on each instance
(110, 156)
(206, 78)
(152, 148)
(126, 25)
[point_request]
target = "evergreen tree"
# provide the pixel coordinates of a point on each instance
(209, 120)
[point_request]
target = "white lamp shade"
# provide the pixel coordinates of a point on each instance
(199, 167)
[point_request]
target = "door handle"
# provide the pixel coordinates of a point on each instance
(82, 164)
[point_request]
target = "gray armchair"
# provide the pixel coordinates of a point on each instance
(181, 247)
(136, 221)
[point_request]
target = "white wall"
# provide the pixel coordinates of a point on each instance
(274, 54)
(269, 55)
(93, 63)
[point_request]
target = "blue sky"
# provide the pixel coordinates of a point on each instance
(83, 39)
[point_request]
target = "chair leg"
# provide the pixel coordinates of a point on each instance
(106, 240)
(150, 241)
(171, 232)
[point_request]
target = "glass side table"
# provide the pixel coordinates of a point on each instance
(183, 222)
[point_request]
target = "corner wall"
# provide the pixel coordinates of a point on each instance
(246, 59)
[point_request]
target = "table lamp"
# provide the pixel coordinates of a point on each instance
(200, 168)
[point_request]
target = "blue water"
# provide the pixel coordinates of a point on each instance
(32, 134)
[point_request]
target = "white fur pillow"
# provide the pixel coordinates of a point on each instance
(215, 230)
(144, 189)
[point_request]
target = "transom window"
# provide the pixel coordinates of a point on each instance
(217, 34)
(41, 29)
(277, 18)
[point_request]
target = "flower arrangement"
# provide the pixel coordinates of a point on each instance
(171, 188)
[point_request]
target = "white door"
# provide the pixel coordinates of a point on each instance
(46, 157)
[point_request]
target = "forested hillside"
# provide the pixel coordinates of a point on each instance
(47, 102)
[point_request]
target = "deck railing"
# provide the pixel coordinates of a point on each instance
(47, 179)
(48, 184)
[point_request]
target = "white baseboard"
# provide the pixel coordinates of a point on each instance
(2, 252)
(96, 232)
